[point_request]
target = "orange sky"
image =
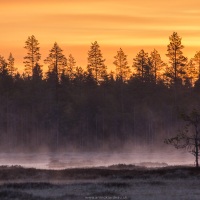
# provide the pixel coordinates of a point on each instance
(74, 24)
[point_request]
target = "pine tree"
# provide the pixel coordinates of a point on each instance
(78, 76)
(3, 65)
(5, 78)
(191, 73)
(37, 72)
(56, 61)
(71, 66)
(176, 59)
(33, 54)
(11, 65)
(96, 65)
(141, 64)
(122, 69)
(157, 64)
(196, 60)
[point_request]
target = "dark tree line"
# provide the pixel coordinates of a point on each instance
(69, 107)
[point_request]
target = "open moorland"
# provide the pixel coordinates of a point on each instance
(113, 182)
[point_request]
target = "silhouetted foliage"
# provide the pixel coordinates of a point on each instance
(96, 66)
(157, 65)
(56, 61)
(11, 65)
(70, 107)
(123, 71)
(142, 66)
(196, 60)
(177, 61)
(33, 55)
(71, 67)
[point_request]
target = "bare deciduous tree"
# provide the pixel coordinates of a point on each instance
(188, 137)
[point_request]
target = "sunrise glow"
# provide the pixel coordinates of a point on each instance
(129, 24)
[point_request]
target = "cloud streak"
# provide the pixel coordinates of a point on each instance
(127, 23)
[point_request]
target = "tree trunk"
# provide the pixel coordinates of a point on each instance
(196, 152)
(196, 146)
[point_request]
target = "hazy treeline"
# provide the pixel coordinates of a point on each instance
(71, 107)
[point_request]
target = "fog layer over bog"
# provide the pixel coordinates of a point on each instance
(61, 160)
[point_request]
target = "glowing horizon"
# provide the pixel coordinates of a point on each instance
(74, 25)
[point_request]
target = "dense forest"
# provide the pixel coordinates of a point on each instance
(88, 108)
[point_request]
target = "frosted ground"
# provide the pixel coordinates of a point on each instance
(63, 176)
(104, 189)
(115, 182)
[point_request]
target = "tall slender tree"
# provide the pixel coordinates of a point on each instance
(96, 65)
(157, 64)
(122, 69)
(176, 59)
(33, 54)
(56, 61)
(3, 65)
(191, 74)
(71, 66)
(11, 65)
(196, 60)
(5, 78)
(141, 64)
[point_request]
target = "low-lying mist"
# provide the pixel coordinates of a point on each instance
(46, 123)
(140, 156)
